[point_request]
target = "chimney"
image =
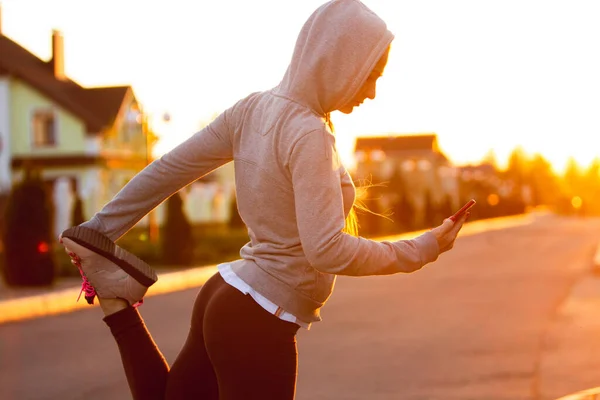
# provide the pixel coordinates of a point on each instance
(58, 55)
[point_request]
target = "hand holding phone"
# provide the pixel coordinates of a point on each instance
(446, 233)
(463, 210)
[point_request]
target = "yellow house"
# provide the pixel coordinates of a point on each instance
(412, 167)
(87, 142)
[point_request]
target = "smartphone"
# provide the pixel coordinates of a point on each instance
(463, 210)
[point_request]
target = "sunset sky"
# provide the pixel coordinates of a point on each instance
(480, 74)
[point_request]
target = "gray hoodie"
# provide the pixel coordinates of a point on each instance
(293, 191)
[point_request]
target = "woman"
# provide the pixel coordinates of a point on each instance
(293, 194)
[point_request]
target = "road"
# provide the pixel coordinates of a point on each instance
(470, 326)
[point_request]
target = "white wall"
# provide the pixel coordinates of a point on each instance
(93, 145)
(91, 190)
(5, 152)
(208, 202)
(63, 205)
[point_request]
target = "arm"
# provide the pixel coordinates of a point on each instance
(315, 169)
(202, 153)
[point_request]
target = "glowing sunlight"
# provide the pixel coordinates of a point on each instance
(480, 75)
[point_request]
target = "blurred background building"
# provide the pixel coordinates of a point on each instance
(411, 178)
(84, 142)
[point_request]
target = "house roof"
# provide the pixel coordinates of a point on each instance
(97, 107)
(403, 145)
(106, 101)
(393, 143)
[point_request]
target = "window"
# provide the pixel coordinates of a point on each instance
(44, 128)
(360, 156)
(424, 165)
(377, 155)
(408, 165)
(132, 126)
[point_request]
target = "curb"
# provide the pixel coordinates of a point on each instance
(65, 301)
(591, 394)
(566, 346)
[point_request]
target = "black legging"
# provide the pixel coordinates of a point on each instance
(235, 350)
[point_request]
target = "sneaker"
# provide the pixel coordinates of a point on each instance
(107, 270)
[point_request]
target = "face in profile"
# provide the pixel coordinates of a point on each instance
(369, 88)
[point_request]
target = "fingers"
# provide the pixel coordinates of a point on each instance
(461, 221)
(456, 229)
(451, 234)
(466, 216)
(459, 224)
(448, 231)
(447, 226)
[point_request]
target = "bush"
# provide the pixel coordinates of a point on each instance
(177, 240)
(215, 245)
(77, 217)
(212, 244)
(430, 211)
(28, 235)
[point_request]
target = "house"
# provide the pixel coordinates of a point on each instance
(210, 199)
(413, 169)
(86, 142)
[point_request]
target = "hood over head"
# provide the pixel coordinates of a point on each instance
(338, 47)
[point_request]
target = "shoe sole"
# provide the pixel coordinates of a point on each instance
(101, 244)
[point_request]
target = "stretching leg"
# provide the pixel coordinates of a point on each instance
(146, 369)
(192, 375)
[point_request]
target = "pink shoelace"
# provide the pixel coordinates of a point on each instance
(86, 286)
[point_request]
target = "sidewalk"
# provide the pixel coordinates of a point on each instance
(571, 343)
(22, 304)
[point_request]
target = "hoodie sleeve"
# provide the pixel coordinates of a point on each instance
(315, 170)
(202, 153)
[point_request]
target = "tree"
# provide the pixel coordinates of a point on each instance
(402, 210)
(490, 159)
(177, 239)
(28, 234)
(403, 213)
(591, 187)
(573, 177)
(543, 181)
(591, 178)
(77, 216)
(430, 211)
(517, 169)
(447, 207)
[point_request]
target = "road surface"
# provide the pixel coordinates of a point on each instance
(470, 326)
